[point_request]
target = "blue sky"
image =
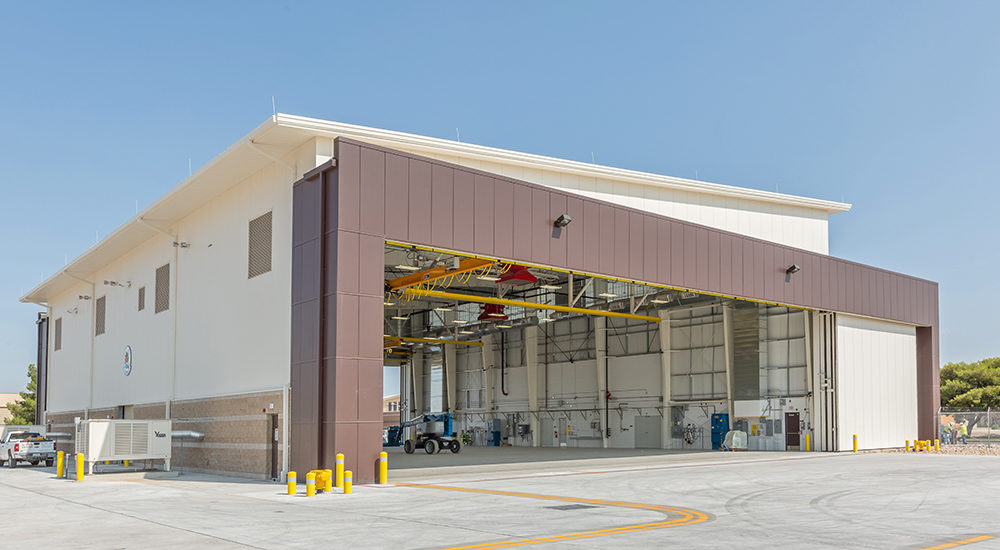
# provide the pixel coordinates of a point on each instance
(891, 106)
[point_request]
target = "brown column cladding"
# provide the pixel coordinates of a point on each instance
(373, 193)
(337, 279)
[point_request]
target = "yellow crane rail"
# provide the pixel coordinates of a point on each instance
(505, 302)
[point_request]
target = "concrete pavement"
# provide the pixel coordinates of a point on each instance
(690, 500)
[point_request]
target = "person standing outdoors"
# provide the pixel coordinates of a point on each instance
(963, 431)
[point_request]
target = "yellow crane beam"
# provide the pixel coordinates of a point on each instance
(435, 273)
(396, 340)
(532, 305)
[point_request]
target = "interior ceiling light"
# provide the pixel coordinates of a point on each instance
(607, 295)
(550, 287)
(505, 326)
(400, 318)
(405, 267)
(466, 332)
(442, 309)
(544, 319)
(459, 322)
(389, 303)
(488, 278)
(658, 301)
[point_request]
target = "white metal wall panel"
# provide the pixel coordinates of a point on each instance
(787, 224)
(876, 382)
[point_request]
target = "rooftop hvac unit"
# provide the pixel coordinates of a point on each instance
(116, 440)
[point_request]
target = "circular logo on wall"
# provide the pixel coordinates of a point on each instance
(127, 364)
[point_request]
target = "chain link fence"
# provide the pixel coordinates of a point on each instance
(967, 426)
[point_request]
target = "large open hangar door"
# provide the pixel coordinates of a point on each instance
(530, 356)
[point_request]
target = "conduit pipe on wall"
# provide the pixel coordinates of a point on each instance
(93, 325)
(175, 241)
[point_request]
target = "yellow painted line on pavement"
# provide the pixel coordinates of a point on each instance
(959, 543)
(686, 517)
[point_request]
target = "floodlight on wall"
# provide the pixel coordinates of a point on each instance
(562, 221)
(794, 268)
(73, 311)
(83, 297)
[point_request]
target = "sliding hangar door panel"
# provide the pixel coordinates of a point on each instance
(876, 382)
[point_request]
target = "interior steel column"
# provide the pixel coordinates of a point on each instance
(450, 360)
(531, 362)
(665, 376)
(727, 331)
(417, 381)
(601, 346)
(489, 342)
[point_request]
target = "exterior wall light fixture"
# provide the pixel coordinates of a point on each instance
(563, 220)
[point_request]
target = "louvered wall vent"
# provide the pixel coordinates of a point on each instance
(162, 288)
(259, 246)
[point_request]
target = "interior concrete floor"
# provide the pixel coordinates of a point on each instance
(688, 500)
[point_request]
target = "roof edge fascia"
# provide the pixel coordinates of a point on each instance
(483, 152)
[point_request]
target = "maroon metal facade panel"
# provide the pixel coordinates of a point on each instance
(374, 193)
(337, 265)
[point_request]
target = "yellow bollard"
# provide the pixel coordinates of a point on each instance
(79, 466)
(383, 466)
(855, 442)
(807, 442)
(292, 483)
(60, 464)
(340, 470)
(907, 445)
(311, 484)
(328, 481)
(125, 463)
(348, 482)
(937, 445)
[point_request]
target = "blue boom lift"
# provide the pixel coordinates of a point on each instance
(430, 440)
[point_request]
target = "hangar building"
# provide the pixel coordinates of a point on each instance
(541, 301)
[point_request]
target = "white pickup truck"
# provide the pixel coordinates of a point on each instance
(26, 446)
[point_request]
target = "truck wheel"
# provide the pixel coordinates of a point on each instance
(431, 446)
(48, 462)
(455, 446)
(34, 463)
(408, 447)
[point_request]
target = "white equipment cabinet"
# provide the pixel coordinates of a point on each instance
(116, 440)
